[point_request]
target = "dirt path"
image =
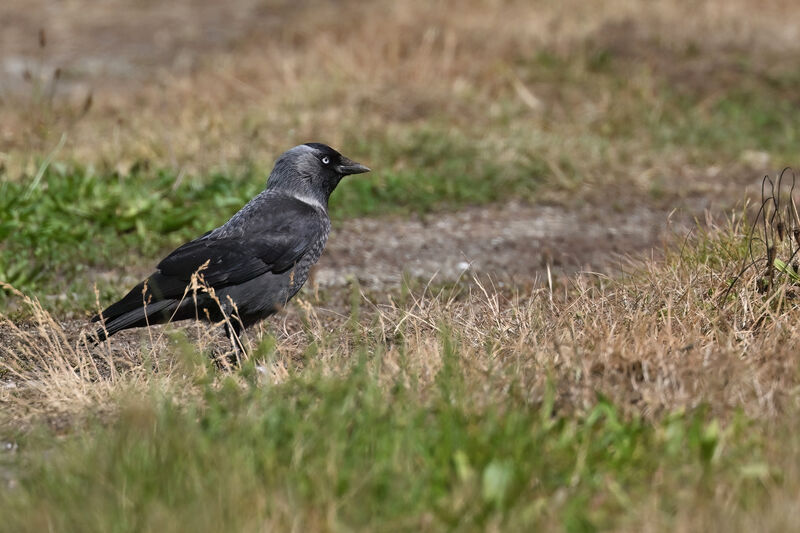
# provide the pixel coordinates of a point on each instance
(512, 241)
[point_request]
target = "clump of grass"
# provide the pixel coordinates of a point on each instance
(774, 241)
(51, 371)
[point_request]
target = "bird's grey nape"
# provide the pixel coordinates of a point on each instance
(299, 173)
(292, 168)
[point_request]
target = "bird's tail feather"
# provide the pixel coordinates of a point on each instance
(154, 313)
(156, 287)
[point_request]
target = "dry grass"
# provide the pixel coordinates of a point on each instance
(48, 373)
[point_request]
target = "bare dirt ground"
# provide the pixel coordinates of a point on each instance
(517, 242)
(513, 242)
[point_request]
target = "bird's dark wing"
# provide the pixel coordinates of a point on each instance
(270, 239)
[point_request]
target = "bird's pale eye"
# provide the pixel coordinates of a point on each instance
(326, 160)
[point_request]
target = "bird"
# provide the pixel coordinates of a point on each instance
(250, 267)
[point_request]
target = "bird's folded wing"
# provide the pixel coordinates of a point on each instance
(229, 261)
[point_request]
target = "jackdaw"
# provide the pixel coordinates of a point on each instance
(252, 265)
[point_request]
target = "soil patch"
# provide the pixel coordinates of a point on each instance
(513, 242)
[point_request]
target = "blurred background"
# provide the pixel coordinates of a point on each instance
(506, 137)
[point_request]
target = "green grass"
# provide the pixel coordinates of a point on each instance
(739, 120)
(74, 220)
(433, 169)
(345, 453)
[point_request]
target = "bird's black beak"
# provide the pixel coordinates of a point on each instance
(347, 167)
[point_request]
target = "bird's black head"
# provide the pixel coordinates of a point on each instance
(312, 171)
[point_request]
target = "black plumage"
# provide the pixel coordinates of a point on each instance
(251, 266)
